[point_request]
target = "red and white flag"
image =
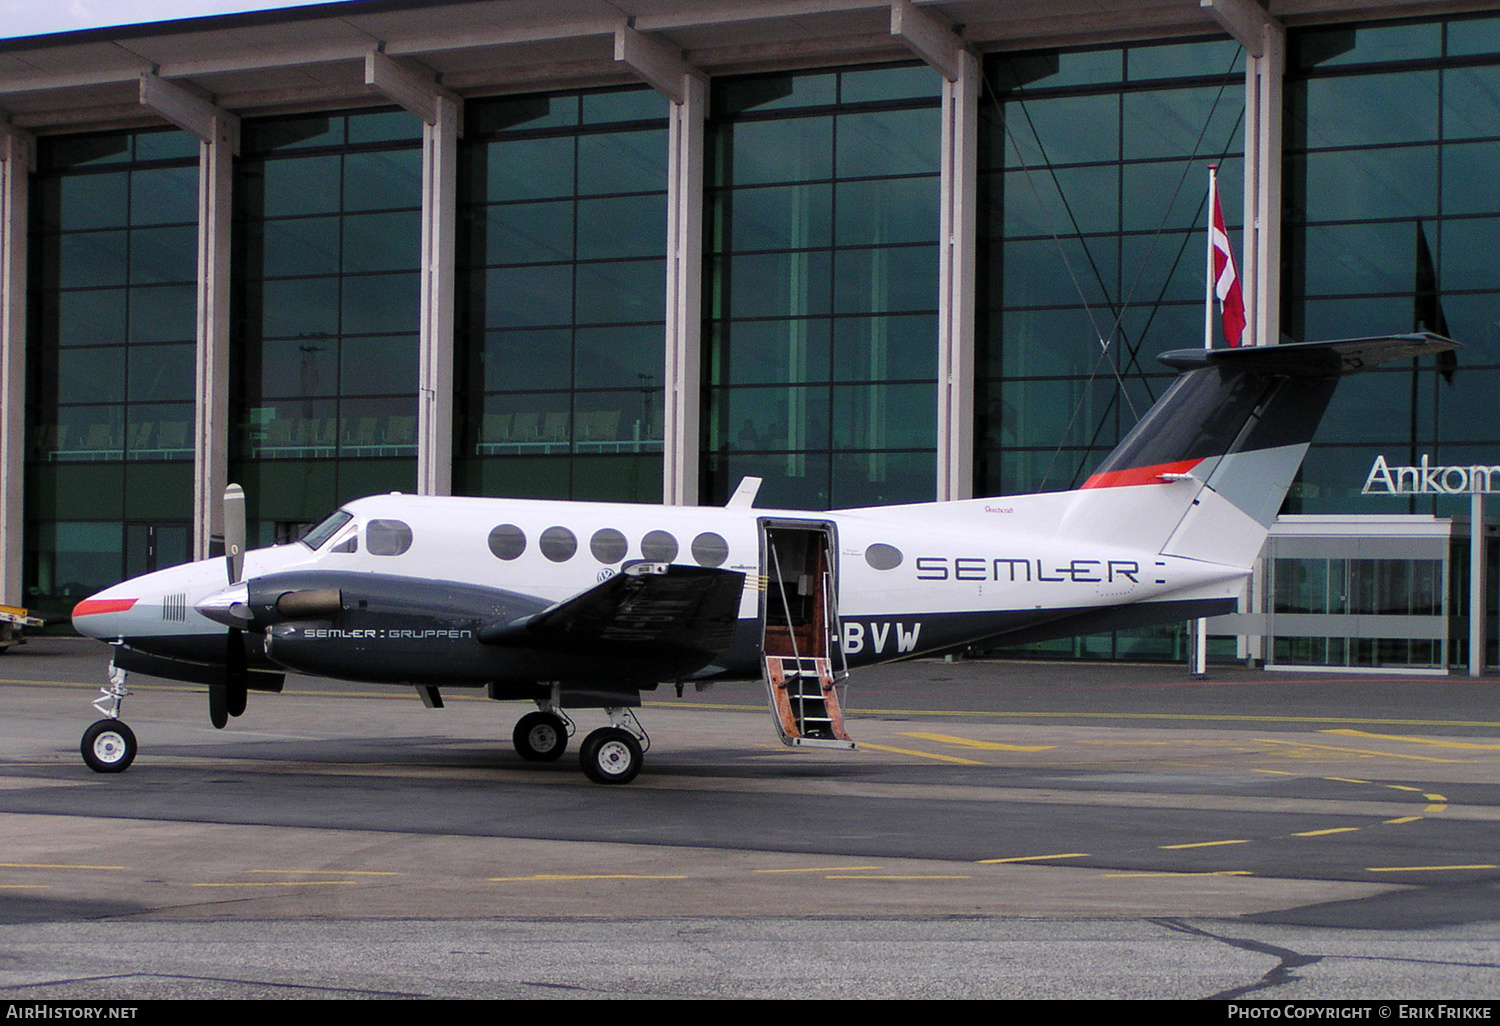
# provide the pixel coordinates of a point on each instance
(1226, 280)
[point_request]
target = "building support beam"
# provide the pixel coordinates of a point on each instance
(658, 65)
(957, 233)
(931, 39)
(17, 157)
(1245, 20)
(663, 69)
(936, 43)
(1265, 75)
(435, 375)
(218, 133)
(441, 112)
(682, 415)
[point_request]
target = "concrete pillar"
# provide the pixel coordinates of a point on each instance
(17, 156)
(956, 274)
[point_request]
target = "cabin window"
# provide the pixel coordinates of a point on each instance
(883, 557)
(608, 545)
(559, 544)
(327, 529)
(507, 541)
(659, 547)
(710, 549)
(387, 537)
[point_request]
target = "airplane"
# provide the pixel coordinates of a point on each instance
(578, 605)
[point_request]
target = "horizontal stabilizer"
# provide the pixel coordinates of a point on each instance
(1314, 359)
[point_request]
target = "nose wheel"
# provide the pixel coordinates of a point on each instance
(108, 746)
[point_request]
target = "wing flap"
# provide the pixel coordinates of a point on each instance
(658, 607)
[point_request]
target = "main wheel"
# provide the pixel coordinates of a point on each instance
(108, 746)
(540, 737)
(611, 756)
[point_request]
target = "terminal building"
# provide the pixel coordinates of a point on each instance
(872, 251)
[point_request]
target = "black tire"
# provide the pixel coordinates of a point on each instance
(611, 756)
(540, 737)
(108, 746)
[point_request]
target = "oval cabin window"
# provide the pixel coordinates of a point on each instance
(710, 549)
(658, 547)
(387, 537)
(608, 545)
(507, 541)
(558, 544)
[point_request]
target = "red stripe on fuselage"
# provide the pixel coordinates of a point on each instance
(1140, 475)
(88, 607)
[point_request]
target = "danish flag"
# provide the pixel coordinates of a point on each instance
(1226, 279)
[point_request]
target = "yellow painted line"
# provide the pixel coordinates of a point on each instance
(818, 869)
(1402, 787)
(329, 872)
(553, 877)
(980, 714)
(1198, 844)
(1355, 751)
(922, 755)
(282, 883)
(1275, 773)
(1434, 797)
(1347, 780)
(1404, 819)
(1416, 740)
(949, 739)
(1421, 869)
(1217, 872)
(933, 876)
(1325, 833)
(1435, 808)
(50, 865)
(1036, 858)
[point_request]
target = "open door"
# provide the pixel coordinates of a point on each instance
(799, 632)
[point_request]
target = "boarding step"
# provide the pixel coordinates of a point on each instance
(804, 702)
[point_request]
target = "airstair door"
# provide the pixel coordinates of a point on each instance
(799, 632)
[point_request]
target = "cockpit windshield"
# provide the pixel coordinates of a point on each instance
(315, 538)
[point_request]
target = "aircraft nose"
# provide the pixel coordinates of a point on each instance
(100, 616)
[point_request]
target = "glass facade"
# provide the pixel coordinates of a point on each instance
(562, 316)
(1092, 189)
(1392, 134)
(327, 243)
(112, 321)
(821, 287)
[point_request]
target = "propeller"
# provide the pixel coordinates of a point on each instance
(228, 699)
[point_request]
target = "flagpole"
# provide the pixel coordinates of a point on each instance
(1208, 274)
(1198, 629)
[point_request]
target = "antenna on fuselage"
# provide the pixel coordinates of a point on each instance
(745, 494)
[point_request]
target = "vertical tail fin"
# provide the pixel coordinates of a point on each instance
(1204, 473)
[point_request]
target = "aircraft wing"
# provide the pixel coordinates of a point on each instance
(649, 607)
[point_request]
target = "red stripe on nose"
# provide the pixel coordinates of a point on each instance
(88, 607)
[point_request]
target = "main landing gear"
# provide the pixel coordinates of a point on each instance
(609, 755)
(108, 746)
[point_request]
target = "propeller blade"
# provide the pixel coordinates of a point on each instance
(234, 531)
(228, 699)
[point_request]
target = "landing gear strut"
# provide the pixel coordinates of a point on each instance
(109, 746)
(609, 755)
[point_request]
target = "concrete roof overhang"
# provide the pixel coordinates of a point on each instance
(314, 57)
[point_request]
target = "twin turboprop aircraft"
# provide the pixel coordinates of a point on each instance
(574, 605)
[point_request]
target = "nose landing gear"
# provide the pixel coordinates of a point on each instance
(109, 746)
